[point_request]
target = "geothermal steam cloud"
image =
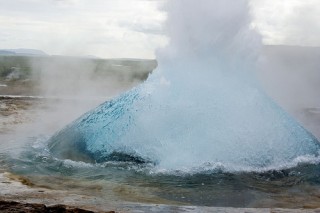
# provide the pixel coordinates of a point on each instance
(201, 107)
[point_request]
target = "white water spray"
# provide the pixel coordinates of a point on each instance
(202, 107)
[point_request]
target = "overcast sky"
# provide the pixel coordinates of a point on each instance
(133, 28)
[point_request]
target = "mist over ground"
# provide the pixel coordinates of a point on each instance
(289, 74)
(67, 86)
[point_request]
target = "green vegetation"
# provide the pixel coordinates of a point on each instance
(18, 64)
(32, 67)
(128, 69)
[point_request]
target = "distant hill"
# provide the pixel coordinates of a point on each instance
(6, 52)
(23, 52)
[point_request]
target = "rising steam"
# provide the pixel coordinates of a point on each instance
(201, 108)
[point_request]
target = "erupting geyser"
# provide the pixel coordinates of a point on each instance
(201, 108)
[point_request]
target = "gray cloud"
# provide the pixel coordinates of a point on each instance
(83, 27)
(133, 28)
(291, 22)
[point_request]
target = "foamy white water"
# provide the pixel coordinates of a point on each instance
(202, 106)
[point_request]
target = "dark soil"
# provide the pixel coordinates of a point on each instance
(15, 207)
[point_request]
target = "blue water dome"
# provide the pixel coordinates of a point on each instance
(201, 108)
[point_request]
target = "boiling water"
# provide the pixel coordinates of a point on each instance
(202, 108)
(199, 131)
(123, 182)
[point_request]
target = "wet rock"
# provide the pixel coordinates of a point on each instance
(15, 207)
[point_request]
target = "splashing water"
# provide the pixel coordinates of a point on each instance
(202, 106)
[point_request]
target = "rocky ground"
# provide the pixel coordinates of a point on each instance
(12, 112)
(18, 194)
(16, 207)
